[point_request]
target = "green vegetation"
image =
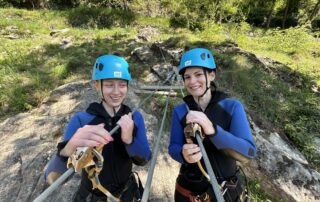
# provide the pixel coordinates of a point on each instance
(42, 49)
(257, 194)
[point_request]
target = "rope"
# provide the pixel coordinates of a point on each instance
(154, 156)
(146, 191)
(214, 182)
(212, 177)
(54, 185)
(71, 170)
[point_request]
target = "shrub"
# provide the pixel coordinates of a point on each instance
(99, 17)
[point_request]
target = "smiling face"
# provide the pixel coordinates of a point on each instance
(114, 91)
(195, 80)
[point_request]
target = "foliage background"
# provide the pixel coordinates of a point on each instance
(34, 59)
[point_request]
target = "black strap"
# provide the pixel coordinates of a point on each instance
(141, 189)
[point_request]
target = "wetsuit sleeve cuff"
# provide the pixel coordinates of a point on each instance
(60, 146)
(134, 134)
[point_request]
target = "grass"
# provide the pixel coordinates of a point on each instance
(257, 194)
(293, 111)
(37, 61)
(34, 60)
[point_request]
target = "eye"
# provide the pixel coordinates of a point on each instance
(108, 85)
(123, 85)
(198, 75)
(186, 77)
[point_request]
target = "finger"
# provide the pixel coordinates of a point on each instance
(189, 146)
(101, 125)
(90, 126)
(86, 143)
(193, 151)
(100, 131)
(100, 139)
(108, 138)
(197, 157)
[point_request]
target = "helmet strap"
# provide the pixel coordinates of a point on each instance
(207, 88)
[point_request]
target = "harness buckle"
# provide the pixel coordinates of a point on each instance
(202, 198)
(228, 184)
(81, 158)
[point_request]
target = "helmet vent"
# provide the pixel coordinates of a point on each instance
(100, 66)
(203, 56)
(208, 55)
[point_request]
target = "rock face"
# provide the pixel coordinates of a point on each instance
(282, 169)
(28, 141)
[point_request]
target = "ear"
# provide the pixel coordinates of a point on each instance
(212, 75)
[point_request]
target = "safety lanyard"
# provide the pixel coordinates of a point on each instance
(196, 130)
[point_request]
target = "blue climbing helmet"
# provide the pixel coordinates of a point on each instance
(111, 67)
(197, 57)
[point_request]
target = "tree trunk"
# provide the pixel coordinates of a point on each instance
(270, 14)
(285, 14)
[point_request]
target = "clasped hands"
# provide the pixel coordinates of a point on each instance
(97, 135)
(191, 152)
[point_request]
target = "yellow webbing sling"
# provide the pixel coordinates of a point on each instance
(83, 158)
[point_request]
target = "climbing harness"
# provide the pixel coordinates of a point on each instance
(84, 157)
(190, 132)
(245, 197)
(91, 160)
(212, 178)
(205, 197)
(210, 175)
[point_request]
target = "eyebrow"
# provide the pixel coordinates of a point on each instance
(196, 72)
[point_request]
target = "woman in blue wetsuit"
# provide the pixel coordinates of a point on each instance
(226, 131)
(90, 129)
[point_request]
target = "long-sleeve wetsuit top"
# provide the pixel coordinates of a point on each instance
(118, 156)
(232, 136)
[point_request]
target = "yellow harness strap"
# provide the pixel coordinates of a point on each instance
(190, 131)
(83, 158)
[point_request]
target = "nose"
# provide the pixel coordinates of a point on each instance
(192, 79)
(116, 89)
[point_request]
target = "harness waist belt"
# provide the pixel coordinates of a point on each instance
(192, 197)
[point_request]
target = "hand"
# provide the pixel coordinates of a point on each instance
(127, 125)
(91, 136)
(202, 120)
(191, 153)
(87, 136)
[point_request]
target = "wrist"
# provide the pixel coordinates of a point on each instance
(211, 131)
(127, 140)
(68, 149)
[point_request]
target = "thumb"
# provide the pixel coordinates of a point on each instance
(130, 114)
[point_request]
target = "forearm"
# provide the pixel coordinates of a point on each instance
(240, 148)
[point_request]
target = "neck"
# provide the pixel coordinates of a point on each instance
(204, 100)
(110, 110)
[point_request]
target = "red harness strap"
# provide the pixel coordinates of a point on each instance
(191, 196)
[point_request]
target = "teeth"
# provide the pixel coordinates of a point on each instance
(194, 88)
